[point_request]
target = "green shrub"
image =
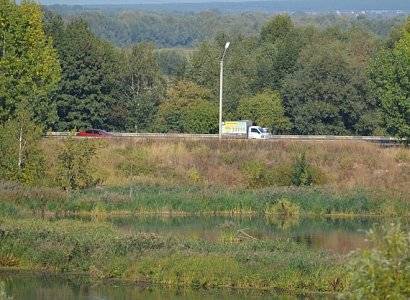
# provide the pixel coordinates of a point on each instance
(74, 164)
(21, 158)
(303, 173)
(194, 175)
(384, 271)
(283, 208)
(282, 175)
(256, 173)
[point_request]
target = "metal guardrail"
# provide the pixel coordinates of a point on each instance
(374, 139)
(141, 135)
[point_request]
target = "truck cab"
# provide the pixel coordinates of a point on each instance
(257, 132)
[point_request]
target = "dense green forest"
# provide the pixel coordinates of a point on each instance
(292, 77)
(125, 27)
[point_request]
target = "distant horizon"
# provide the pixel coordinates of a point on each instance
(336, 4)
(137, 2)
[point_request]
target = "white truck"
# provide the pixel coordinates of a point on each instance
(243, 129)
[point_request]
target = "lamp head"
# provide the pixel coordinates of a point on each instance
(227, 45)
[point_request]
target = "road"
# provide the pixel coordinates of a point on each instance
(374, 139)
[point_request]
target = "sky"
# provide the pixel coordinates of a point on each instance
(120, 2)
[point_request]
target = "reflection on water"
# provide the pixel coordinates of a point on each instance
(45, 287)
(336, 235)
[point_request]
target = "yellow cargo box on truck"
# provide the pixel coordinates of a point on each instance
(243, 129)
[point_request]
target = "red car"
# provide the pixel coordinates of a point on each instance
(94, 133)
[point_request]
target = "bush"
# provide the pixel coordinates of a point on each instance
(256, 173)
(21, 157)
(283, 208)
(74, 164)
(384, 271)
(305, 174)
(187, 109)
(282, 174)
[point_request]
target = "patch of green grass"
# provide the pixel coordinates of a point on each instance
(100, 250)
(69, 245)
(199, 200)
(136, 199)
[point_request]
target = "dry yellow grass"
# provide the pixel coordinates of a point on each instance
(345, 164)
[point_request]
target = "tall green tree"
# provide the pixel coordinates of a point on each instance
(328, 93)
(390, 77)
(90, 70)
(21, 156)
(277, 28)
(239, 69)
(142, 86)
(29, 68)
(173, 63)
(188, 109)
(266, 110)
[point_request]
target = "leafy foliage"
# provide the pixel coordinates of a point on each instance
(21, 157)
(390, 77)
(384, 271)
(74, 168)
(187, 109)
(89, 66)
(303, 173)
(283, 208)
(172, 63)
(141, 88)
(266, 110)
(29, 69)
(327, 94)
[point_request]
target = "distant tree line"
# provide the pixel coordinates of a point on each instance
(127, 26)
(291, 78)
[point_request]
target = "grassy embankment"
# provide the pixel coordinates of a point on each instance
(235, 177)
(100, 250)
(189, 177)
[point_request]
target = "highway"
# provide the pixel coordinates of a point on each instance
(374, 139)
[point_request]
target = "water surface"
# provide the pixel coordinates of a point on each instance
(336, 236)
(28, 286)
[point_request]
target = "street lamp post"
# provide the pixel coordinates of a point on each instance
(221, 78)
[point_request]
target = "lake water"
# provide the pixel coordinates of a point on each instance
(337, 236)
(26, 286)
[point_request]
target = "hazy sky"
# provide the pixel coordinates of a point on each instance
(279, 5)
(99, 2)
